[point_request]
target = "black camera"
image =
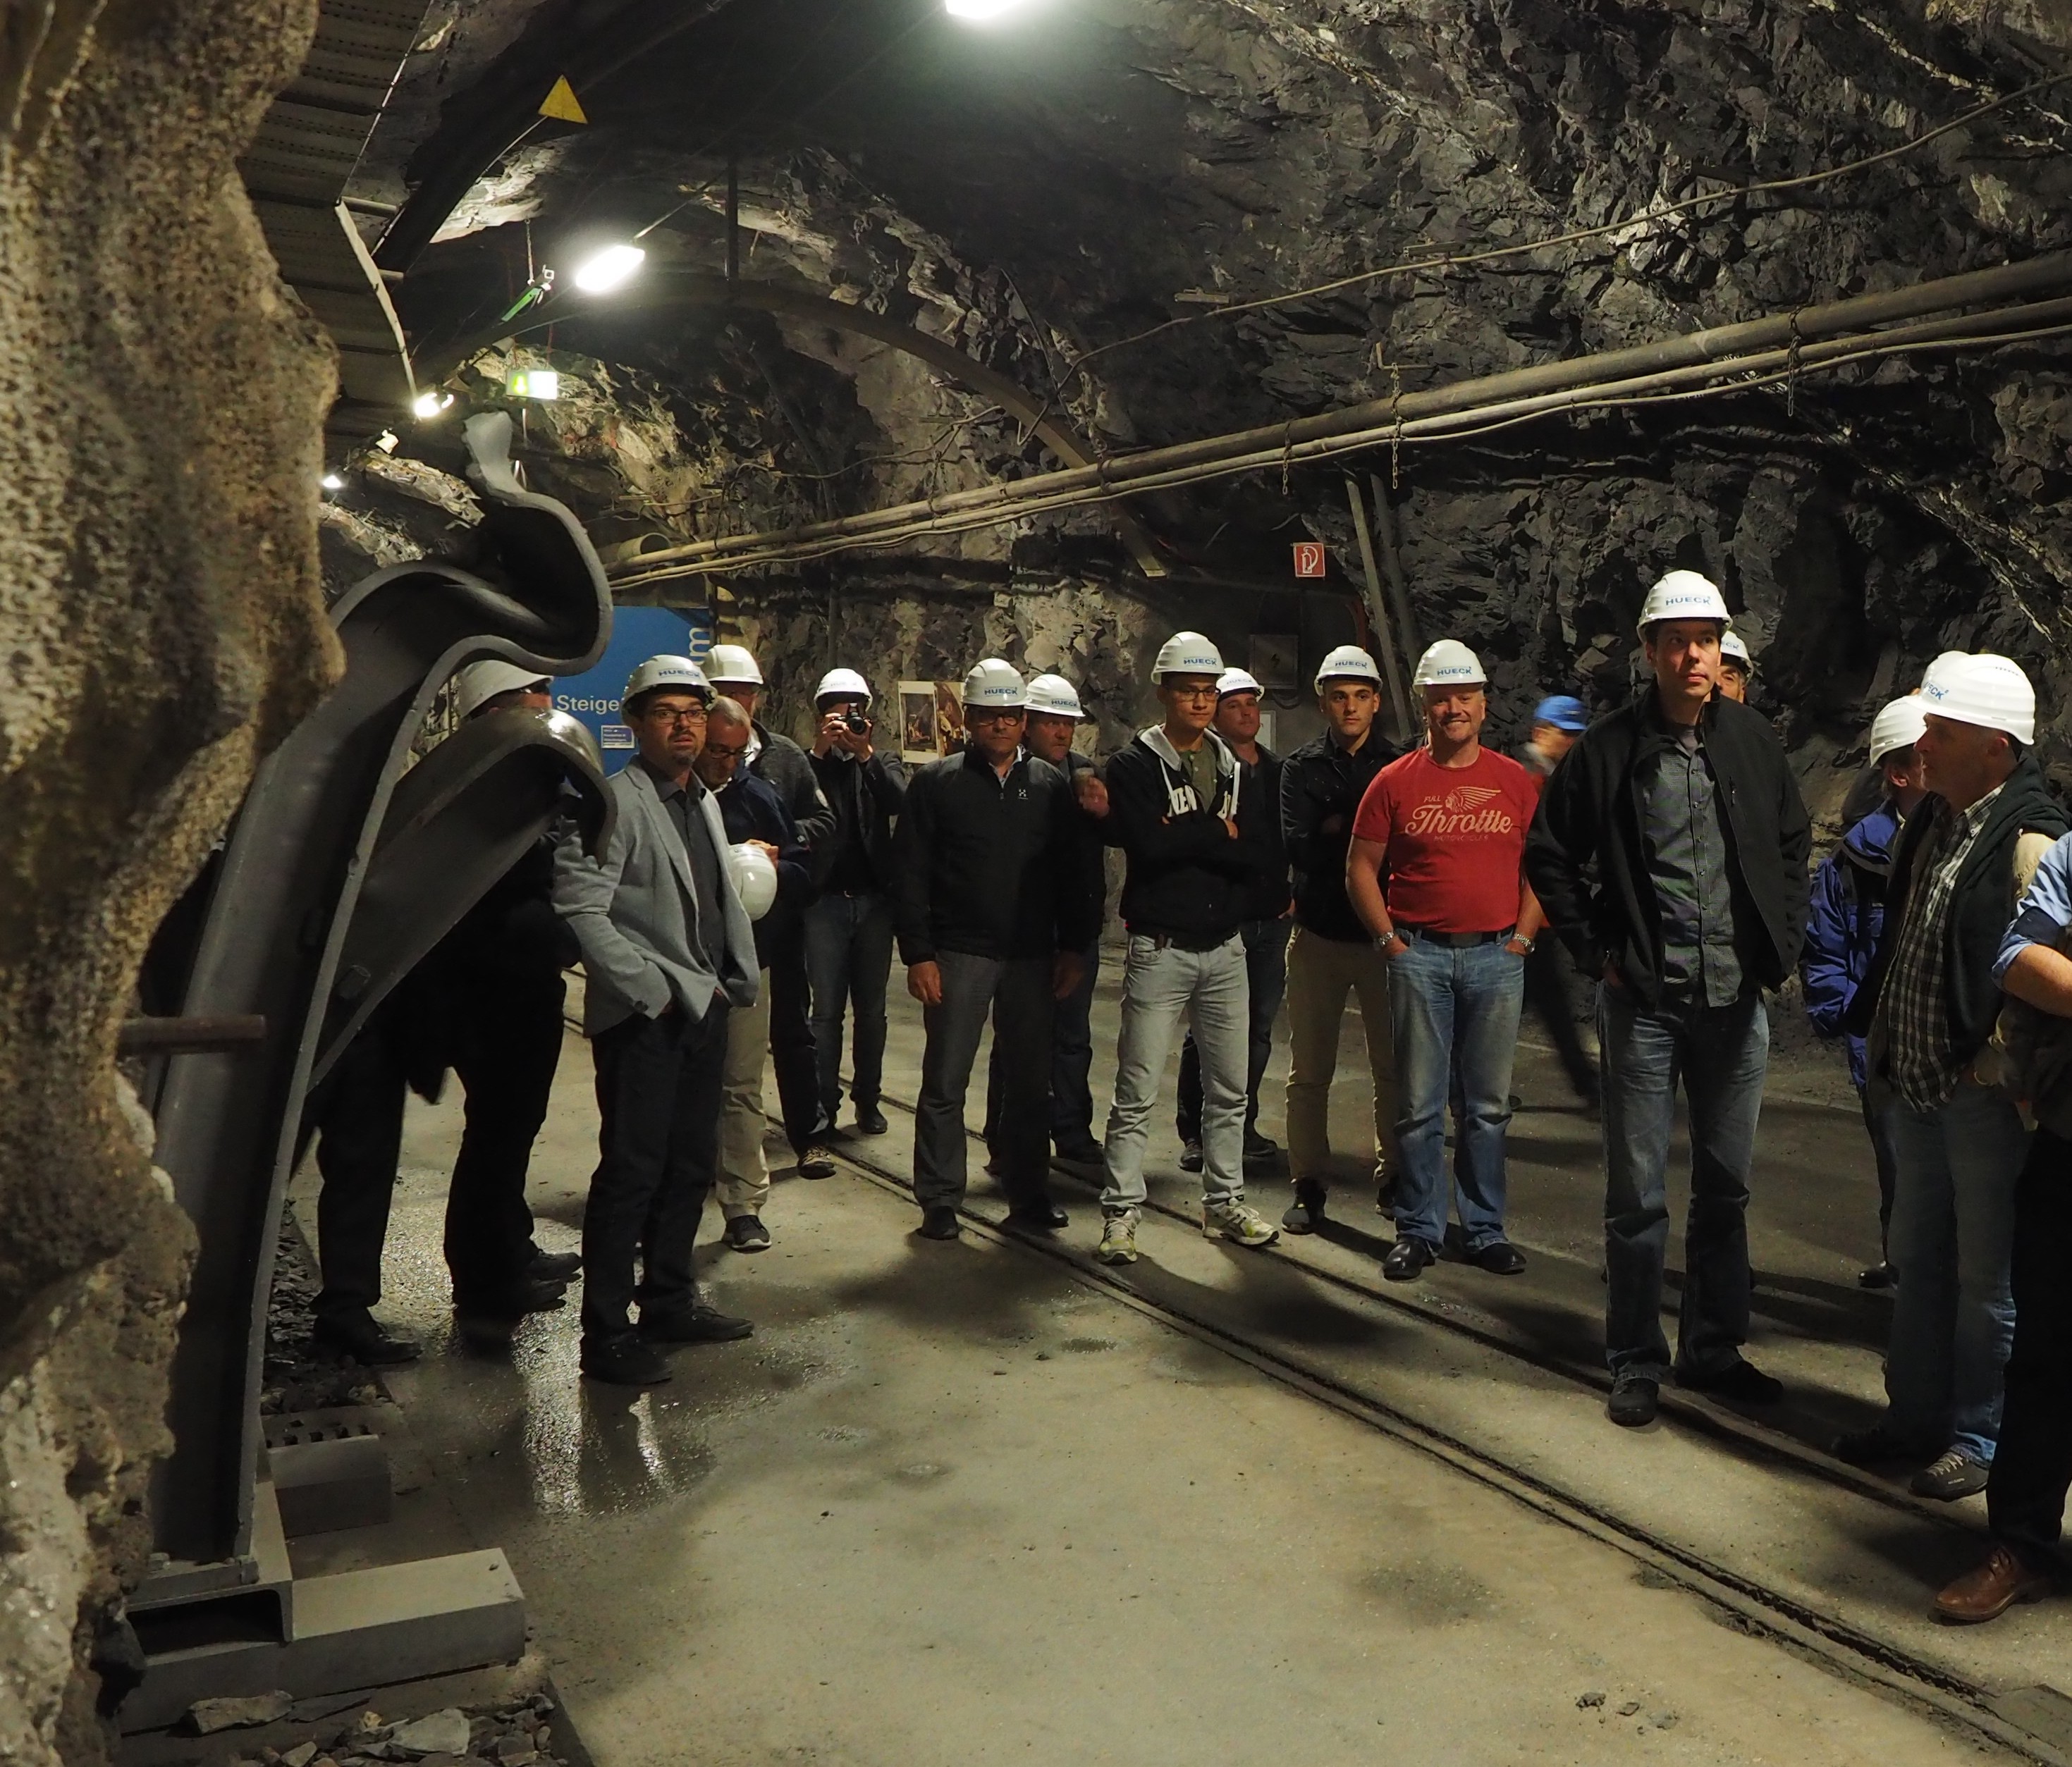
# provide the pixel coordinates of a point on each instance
(857, 723)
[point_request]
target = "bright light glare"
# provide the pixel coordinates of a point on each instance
(431, 404)
(332, 481)
(534, 383)
(611, 269)
(979, 11)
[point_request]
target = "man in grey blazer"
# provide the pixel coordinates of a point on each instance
(667, 950)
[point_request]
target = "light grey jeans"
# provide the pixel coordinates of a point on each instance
(1158, 986)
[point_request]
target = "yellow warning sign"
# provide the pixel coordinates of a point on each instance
(560, 103)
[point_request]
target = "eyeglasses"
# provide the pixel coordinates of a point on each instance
(689, 714)
(994, 715)
(1208, 692)
(719, 751)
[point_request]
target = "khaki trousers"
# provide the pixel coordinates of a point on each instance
(1321, 972)
(744, 1174)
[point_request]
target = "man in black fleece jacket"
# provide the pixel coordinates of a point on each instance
(993, 909)
(1669, 852)
(1174, 795)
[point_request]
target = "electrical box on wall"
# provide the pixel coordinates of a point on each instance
(1274, 661)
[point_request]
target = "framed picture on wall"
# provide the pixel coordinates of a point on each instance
(949, 717)
(917, 722)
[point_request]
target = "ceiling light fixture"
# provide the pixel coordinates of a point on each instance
(979, 11)
(613, 268)
(332, 481)
(431, 404)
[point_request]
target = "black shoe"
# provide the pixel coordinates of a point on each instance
(1881, 1445)
(870, 1121)
(816, 1162)
(1190, 1156)
(359, 1338)
(940, 1221)
(1044, 1217)
(1635, 1398)
(486, 1333)
(1740, 1381)
(699, 1323)
(528, 1294)
(1878, 1276)
(746, 1233)
(625, 1362)
(1408, 1259)
(1259, 1147)
(555, 1266)
(1086, 1153)
(1305, 1213)
(1500, 1258)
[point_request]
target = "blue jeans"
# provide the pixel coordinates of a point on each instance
(848, 958)
(1160, 985)
(1952, 1241)
(1453, 1017)
(1266, 975)
(1721, 1054)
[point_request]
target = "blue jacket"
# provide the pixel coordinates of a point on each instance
(1843, 924)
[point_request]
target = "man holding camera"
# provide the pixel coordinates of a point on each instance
(849, 929)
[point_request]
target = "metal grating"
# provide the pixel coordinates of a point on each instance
(304, 153)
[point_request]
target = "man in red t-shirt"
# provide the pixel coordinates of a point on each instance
(1436, 872)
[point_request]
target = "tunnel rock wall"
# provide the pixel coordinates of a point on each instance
(159, 627)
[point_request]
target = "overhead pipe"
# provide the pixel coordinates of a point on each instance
(1806, 337)
(1465, 408)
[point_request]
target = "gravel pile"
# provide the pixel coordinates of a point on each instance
(519, 1735)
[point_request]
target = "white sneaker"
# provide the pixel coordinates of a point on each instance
(1118, 1240)
(1238, 1222)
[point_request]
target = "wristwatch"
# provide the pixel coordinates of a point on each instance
(1521, 939)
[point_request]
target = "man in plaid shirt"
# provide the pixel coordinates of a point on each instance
(1928, 1005)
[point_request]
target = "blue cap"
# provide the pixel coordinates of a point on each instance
(1564, 711)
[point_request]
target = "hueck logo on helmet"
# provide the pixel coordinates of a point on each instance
(995, 685)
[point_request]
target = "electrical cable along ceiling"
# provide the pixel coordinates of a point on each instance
(1171, 223)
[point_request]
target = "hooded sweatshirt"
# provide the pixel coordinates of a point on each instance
(1186, 879)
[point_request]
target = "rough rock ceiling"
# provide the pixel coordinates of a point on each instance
(1096, 168)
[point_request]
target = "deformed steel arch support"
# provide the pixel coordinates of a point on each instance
(325, 822)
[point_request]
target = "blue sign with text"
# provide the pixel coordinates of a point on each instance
(637, 634)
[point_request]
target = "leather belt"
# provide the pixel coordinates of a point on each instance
(1458, 941)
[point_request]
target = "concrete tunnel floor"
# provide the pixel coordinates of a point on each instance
(959, 1502)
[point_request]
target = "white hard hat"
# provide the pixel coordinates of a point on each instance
(1898, 726)
(733, 663)
(1986, 690)
(1348, 662)
(481, 682)
(1733, 648)
(679, 673)
(842, 685)
(1053, 693)
(1237, 681)
(995, 684)
(1450, 663)
(1684, 594)
(1186, 653)
(754, 879)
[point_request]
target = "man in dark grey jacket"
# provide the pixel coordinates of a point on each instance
(782, 765)
(667, 950)
(993, 908)
(1669, 852)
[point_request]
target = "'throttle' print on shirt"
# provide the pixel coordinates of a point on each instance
(1456, 839)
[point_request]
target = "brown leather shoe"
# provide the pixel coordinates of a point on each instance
(1990, 1590)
